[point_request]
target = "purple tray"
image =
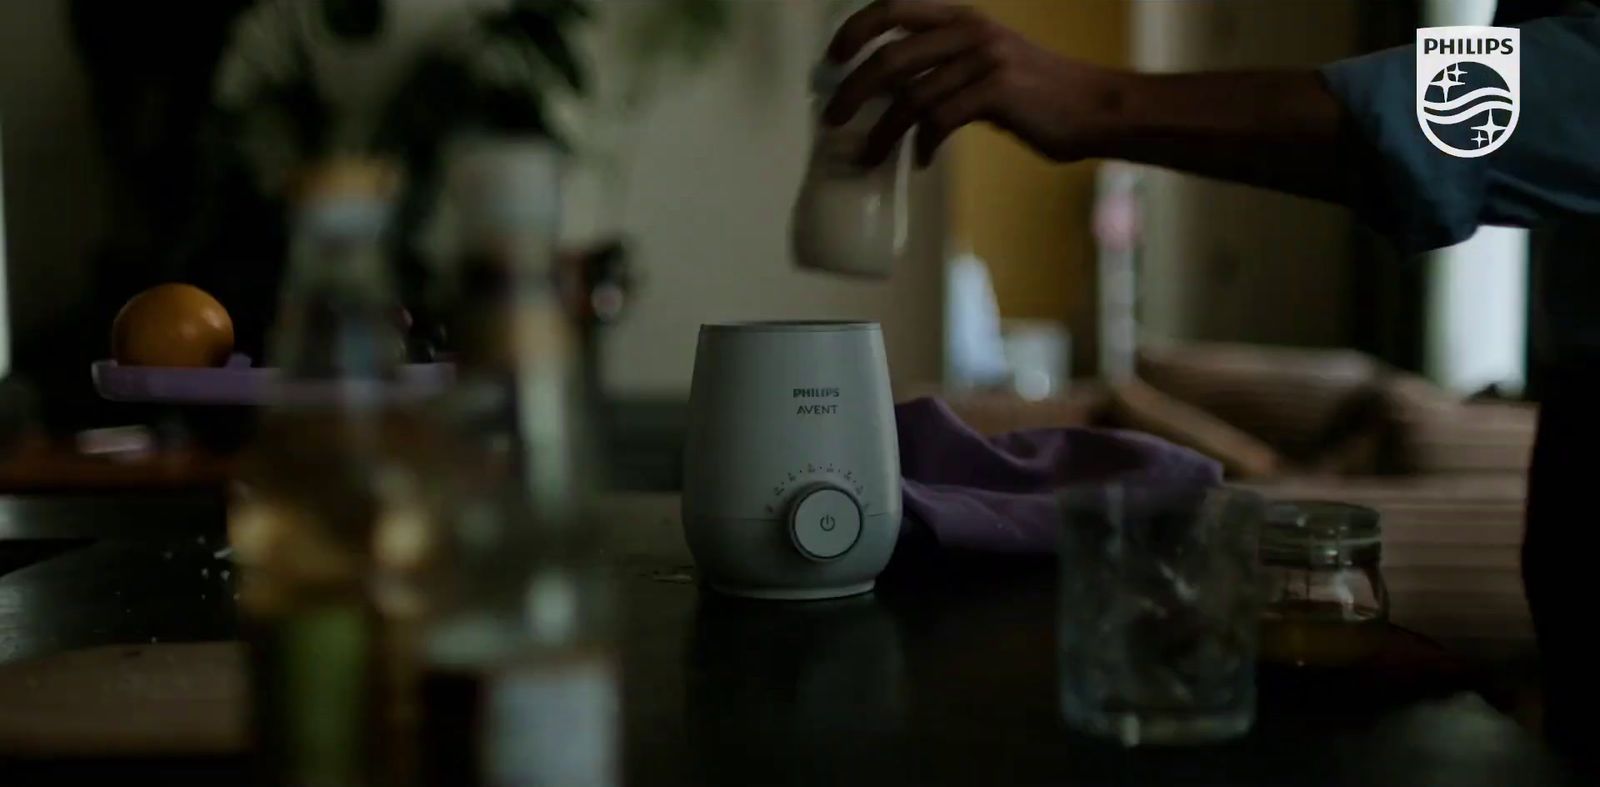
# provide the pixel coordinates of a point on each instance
(237, 383)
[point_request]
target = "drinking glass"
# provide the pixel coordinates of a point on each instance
(1159, 605)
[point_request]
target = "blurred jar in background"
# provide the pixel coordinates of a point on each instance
(1039, 355)
(1326, 601)
(329, 524)
(521, 684)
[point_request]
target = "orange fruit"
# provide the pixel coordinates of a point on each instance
(172, 325)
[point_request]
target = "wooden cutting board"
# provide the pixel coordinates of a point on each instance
(126, 701)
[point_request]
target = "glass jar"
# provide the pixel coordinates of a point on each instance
(328, 523)
(1326, 603)
(521, 681)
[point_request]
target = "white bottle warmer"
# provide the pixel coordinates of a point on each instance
(791, 463)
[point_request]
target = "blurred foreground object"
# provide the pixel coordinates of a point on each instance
(521, 681)
(172, 325)
(1159, 611)
(328, 524)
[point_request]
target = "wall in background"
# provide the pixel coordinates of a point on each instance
(53, 169)
(1025, 216)
(1224, 262)
(712, 168)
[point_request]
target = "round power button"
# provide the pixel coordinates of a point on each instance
(825, 523)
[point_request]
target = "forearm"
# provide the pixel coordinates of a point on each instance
(1345, 133)
(1281, 130)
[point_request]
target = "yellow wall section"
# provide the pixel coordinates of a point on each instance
(1029, 218)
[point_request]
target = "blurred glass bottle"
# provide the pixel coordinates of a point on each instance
(521, 683)
(329, 523)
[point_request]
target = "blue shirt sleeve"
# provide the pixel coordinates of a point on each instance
(1423, 197)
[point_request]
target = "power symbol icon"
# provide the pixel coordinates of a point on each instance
(825, 523)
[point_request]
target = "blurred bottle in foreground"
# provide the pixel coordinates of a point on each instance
(521, 685)
(329, 524)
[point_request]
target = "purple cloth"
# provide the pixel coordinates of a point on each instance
(997, 494)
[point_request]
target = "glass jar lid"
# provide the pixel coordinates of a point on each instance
(1321, 534)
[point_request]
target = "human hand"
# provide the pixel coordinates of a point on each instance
(955, 67)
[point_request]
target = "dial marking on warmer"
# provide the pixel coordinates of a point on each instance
(810, 469)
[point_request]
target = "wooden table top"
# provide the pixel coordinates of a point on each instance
(945, 675)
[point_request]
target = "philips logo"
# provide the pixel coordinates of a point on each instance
(816, 393)
(1468, 87)
(1469, 46)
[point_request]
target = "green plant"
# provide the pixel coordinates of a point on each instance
(661, 32)
(497, 67)
(485, 68)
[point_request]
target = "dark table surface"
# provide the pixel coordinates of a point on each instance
(945, 675)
